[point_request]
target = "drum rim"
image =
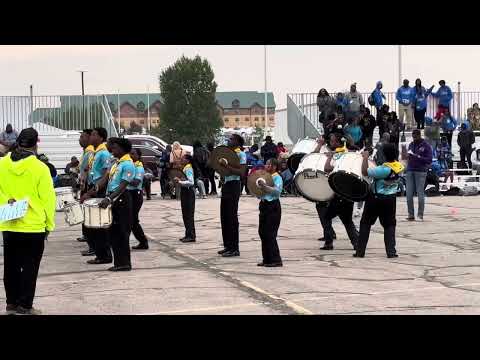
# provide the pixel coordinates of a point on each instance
(308, 197)
(332, 176)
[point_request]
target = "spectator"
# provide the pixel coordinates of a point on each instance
(420, 103)
(448, 124)
(354, 99)
(444, 154)
(53, 172)
(341, 100)
(211, 173)
(473, 115)
(393, 126)
(376, 98)
(419, 161)
(432, 132)
(440, 111)
(326, 105)
(465, 140)
(268, 150)
(355, 132)
(198, 179)
(405, 97)
(444, 95)
(164, 167)
(25, 177)
(200, 159)
(8, 138)
(332, 121)
(176, 156)
(281, 149)
(72, 167)
(379, 155)
(382, 118)
(368, 124)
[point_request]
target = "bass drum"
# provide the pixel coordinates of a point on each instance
(302, 148)
(311, 180)
(346, 178)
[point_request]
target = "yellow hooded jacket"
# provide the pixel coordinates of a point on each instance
(29, 179)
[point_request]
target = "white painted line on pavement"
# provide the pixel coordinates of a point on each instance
(225, 307)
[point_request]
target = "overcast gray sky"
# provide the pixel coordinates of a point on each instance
(300, 68)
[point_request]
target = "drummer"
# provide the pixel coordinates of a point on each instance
(98, 166)
(120, 176)
(270, 217)
(135, 189)
(382, 201)
(322, 206)
(86, 159)
(338, 206)
(187, 197)
(230, 198)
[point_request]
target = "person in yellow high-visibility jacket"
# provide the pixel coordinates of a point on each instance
(24, 177)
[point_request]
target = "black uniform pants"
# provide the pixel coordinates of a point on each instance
(322, 207)
(147, 185)
(137, 201)
(187, 199)
(466, 153)
(120, 229)
(229, 214)
(164, 182)
(344, 210)
(382, 207)
(100, 239)
(269, 222)
(419, 116)
(22, 253)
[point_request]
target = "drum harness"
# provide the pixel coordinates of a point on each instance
(392, 179)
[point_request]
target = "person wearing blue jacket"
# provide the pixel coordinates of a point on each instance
(405, 98)
(341, 100)
(444, 95)
(448, 124)
(420, 103)
(378, 97)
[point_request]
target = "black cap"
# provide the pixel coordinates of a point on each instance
(28, 138)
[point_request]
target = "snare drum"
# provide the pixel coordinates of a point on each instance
(346, 178)
(96, 217)
(302, 148)
(64, 196)
(311, 180)
(73, 213)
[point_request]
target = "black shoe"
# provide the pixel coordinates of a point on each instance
(140, 247)
(231, 253)
(334, 237)
(149, 198)
(410, 218)
(24, 311)
(11, 309)
(120, 268)
(392, 256)
(327, 247)
(261, 264)
(359, 255)
(97, 261)
(187, 240)
(277, 264)
(221, 252)
(213, 193)
(81, 239)
(89, 252)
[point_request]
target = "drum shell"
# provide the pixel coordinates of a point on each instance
(64, 195)
(346, 179)
(74, 214)
(96, 217)
(302, 147)
(311, 180)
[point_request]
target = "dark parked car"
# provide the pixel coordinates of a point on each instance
(151, 158)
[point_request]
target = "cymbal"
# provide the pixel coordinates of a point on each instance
(223, 152)
(253, 180)
(173, 173)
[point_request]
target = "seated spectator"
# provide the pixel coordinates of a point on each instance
(72, 167)
(53, 172)
(8, 138)
(281, 149)
(268, 150)
(355, 132)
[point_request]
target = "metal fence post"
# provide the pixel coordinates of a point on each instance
(30, 118)
(459, 104)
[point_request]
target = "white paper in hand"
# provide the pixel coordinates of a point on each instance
(17, 210)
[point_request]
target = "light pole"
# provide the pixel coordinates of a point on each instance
(267, 125)
(83, 96)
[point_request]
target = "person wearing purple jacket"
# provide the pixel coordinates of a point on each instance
(419, 161)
